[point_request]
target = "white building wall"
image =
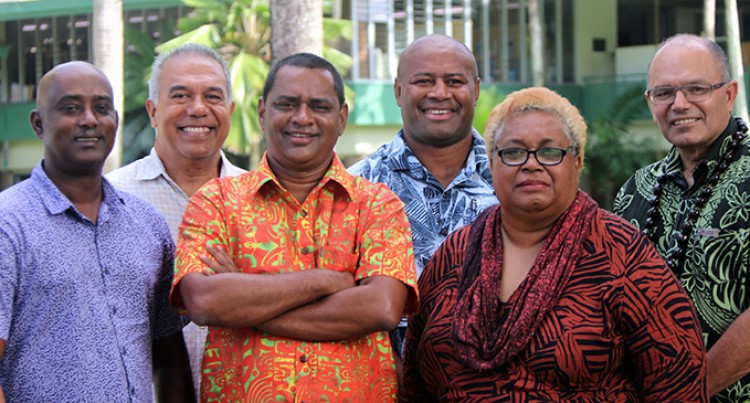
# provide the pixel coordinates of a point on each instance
(594, 19)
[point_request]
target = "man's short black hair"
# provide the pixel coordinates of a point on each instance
(308, 61)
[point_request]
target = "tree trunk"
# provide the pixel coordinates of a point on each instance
(296, 26)
(537, 44)
(709, 19)
(108, 47)
(735, 57)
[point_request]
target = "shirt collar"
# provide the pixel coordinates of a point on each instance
(56, 202)
(400, 157)
(152, 167)
(336, 173)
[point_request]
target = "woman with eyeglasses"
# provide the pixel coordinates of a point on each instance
(547, 297)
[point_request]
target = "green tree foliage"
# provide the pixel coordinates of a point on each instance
(489, 97)
(138, 136)
(240, 31)
(612, 154)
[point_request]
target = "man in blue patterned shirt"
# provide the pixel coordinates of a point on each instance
(85, 270)
(437, 163)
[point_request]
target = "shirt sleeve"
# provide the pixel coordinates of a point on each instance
(166, 321)
(420, 352)
(9, 264)
(386, 244)
(624, 197)
(661, 328)
(202, 224)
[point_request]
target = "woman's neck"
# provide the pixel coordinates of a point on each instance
(524, 238)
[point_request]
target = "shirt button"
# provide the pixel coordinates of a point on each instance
(446, 195)
(303, 213)
(307, 250)
(303, 359)
(444, 231)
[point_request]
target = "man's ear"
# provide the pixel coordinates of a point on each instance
(397, 91)
(477, 88)
(36, 123)
(343, 117)
(151, 110)
(261, 110)
(731, 90)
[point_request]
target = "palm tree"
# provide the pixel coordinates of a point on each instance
(537, 44)
(108, 49)
(140, 54)
(735, 56)
(296, 26)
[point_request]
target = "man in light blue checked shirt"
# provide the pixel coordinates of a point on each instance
(190, 106)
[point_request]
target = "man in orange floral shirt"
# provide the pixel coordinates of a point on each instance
(310, 266)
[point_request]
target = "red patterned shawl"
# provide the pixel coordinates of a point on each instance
(483, 341)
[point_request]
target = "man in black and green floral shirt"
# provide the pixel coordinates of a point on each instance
(695, 203)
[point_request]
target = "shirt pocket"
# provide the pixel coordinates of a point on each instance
(337, 259)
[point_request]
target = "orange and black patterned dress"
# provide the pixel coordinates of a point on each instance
(623, 330)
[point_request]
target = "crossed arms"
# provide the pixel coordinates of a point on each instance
(314, 305)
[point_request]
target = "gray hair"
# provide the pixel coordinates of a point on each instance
(187, 48)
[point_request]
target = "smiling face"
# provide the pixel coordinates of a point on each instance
(437, 88)
(533, 189)
(193, 112)
(691, 126)
(75, 118)
(302, 119)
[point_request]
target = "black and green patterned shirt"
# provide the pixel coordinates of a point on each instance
(715, 269)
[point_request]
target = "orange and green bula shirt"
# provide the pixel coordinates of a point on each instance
(346, 222)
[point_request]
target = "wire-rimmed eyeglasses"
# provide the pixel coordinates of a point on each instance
(547, 156)
(665, 94)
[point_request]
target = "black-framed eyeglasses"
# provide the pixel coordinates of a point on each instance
(547, 156)
(665, 94)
